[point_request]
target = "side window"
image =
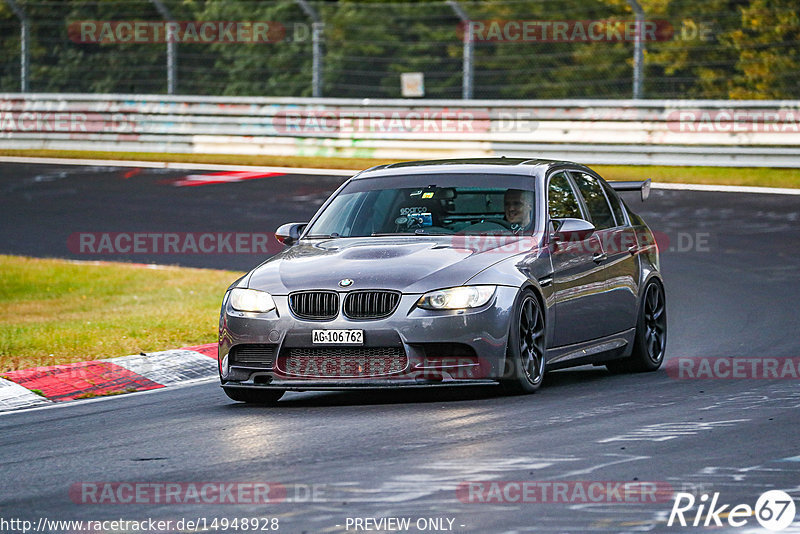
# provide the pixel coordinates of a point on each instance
(595, 200)
(616, 204)
(561, 200)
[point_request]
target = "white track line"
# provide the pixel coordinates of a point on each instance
(727, 188)
(176, 165)
(343, 172)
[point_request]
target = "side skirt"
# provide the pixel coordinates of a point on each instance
(596, 351)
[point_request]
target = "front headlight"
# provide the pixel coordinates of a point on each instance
(456, 298)
(251, 300)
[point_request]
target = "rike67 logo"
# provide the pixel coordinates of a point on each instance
(774, 510)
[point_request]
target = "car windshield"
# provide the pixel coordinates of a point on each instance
(426, 205)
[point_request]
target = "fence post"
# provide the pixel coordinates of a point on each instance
(316, 47)
(467, 69)
(638, 50)
(24, 54)
(172, 50)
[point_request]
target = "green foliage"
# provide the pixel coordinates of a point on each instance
(712, 49)
(768, 60)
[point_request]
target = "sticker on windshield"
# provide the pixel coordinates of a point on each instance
(412, 210)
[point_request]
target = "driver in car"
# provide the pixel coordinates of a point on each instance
(518, 205)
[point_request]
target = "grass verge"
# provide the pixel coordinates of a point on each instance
(751, 176)
(58, 311)
(224, 159)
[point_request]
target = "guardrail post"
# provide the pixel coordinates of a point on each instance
(316, 47)
(638, 50)
(24, 54)
(172, 50)
(467, 68)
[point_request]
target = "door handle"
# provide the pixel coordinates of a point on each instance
(633, 249)
(598, 257)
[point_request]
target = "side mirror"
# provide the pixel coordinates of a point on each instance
(288, 234)
(569, 229)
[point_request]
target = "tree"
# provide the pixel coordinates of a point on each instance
(767, 45)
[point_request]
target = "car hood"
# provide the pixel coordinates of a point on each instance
(408, 264)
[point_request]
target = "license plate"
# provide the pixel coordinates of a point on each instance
(338, 337)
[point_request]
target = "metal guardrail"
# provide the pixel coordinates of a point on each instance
(653, 132)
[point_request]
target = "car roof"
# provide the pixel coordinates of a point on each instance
(502, 165)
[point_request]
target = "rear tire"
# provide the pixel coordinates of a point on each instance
(255, 396)
(650, 341)
(525, 351)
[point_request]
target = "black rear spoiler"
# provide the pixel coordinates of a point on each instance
(644, 187)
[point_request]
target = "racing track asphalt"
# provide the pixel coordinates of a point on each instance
(403, 454)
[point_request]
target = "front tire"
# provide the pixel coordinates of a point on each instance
(525, 352)
(255, 396)
(650, 342)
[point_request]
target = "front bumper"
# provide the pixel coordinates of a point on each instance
(480, 333)
(340, 385)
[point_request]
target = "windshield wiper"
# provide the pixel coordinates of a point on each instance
(322, 236)
(394, 233)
